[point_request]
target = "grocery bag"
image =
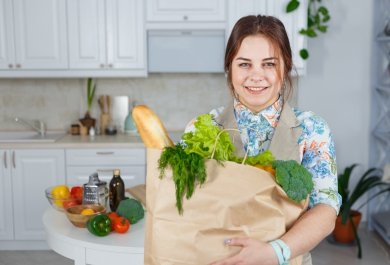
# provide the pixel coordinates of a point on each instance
(235, 200)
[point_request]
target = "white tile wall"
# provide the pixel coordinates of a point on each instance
(176, 98)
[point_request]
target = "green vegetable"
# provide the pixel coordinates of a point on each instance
(263, 159)
(99, 225)
(131, 209)
(188, 169)
(207, 137)
(294, 178)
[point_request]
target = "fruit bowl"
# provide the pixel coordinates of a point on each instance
(78, 219)
(59, 197)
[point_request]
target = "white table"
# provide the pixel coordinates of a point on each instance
(84, 248)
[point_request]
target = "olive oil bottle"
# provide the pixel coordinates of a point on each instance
(116, 190)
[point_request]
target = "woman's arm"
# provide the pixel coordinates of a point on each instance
(306, 233)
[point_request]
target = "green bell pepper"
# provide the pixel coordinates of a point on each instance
(99, 225)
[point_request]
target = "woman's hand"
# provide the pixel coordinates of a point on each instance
(253, 252)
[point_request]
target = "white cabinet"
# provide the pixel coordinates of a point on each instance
(24, 176)
(293, 22)
(83, 162)
(185, 10)
(106, 35)
(33, 35)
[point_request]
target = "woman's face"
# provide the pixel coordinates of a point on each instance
(254, 73)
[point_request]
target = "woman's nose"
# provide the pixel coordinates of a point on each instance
(257, 75)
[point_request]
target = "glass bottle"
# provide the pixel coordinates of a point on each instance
(116, 190)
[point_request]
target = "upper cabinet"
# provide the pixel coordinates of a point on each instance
(106, 35)
(117, 38)
(33, 35)
(293, 22)
(185, 10)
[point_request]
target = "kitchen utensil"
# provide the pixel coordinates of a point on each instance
(95, 191)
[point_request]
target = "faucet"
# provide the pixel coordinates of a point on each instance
(37, 125)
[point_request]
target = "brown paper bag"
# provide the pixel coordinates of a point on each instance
(235, 200)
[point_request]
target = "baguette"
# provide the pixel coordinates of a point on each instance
(150, 128)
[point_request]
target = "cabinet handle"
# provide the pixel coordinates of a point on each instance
(11, 66)
(101, 65)
(18, 65)
(5, 160)
(110, 65)
(105, 153)
(13, 159)
(105, 170)
(185, 17)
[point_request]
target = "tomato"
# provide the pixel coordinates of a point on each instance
(121, 225)
(112, 216)
(59, 193)
(69, 203)
(77, 193)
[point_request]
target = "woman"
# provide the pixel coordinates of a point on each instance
(258, 63)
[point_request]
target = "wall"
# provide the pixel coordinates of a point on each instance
(337, 87)
(177, 98)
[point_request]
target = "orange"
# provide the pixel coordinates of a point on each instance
(87, 211)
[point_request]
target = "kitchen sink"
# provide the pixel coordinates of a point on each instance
(29, 137)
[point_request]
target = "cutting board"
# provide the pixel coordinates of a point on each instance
(138, 192)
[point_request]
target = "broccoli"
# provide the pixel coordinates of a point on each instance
(295, 179)
(131, 209)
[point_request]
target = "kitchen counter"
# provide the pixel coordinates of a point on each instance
(98, 141)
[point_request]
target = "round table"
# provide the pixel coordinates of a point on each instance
(84, 248)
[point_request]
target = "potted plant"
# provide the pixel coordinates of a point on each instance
(88, 121)
(347, 222)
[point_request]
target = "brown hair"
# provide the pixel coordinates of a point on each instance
(272, 29)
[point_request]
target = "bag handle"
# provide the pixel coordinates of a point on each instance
(216, 141)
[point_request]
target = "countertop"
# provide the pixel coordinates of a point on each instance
(119, 140)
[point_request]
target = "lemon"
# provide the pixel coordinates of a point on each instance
(87, 211)
(59, 193)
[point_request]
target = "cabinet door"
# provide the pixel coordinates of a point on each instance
(7, 54)
(126, 37)
(185, 10)
(293, 23)
(87, 34)
(6, 219)
(40, 34)
(236, 10)
(34, 171)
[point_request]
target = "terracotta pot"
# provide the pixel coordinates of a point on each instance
(343, 233)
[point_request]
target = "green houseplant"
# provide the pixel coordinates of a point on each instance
(349, 217)
(318, 17)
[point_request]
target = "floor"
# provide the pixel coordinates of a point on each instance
(375, 252)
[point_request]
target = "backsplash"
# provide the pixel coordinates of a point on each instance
(176, 98)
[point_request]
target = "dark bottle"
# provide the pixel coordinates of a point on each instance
(116, 190)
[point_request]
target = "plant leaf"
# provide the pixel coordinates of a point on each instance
(304, 53)
(311, 33)
(322, 28)
(292, 5)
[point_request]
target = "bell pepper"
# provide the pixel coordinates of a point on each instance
(99, 225)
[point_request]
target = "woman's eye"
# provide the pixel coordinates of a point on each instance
(269, 65)
(244, 65)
